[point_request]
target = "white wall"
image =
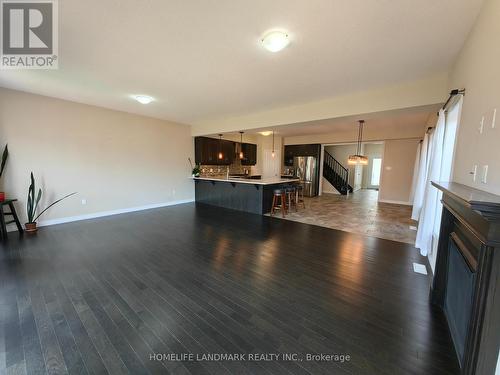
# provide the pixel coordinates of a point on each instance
(370, 133)
(114, 160)
(430, 90)
(327, 187)
(270, 167)
(398, 163)
(477, 70)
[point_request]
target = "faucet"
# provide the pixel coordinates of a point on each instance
(227, 173)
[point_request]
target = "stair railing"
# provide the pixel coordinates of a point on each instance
(336, 173)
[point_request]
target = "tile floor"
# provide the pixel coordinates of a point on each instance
(359, 212)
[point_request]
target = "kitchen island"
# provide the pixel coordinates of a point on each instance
(242, 194)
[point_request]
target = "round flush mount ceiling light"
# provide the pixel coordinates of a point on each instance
(144, 99)
(275, 41)
(266, 133)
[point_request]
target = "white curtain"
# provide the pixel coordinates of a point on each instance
(431, 194)
(421, 181)
(416, 171)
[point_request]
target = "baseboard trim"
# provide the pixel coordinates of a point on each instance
(96, 215)
(331, 192)
(395, 202)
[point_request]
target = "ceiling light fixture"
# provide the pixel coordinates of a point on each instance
(266, 133)
(358, 159)
(221, 155)
(275, 41)
(144, 99)
(241, 146)
(272, 153)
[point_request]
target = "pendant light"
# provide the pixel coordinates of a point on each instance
(272, 153)
(221, 155)
(241, 146)
(358, 159)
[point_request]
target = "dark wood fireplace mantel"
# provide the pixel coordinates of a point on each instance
(466, 282)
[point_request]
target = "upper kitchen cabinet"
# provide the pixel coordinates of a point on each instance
(206, 151)
(228, 152)
(292, 151)
(249, 154)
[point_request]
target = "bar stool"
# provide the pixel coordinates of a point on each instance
(299, 196)
(279, 201)
(291, 197)
(3, 223)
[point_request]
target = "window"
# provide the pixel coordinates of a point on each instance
(376, 167)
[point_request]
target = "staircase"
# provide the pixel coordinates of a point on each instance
(336, 174)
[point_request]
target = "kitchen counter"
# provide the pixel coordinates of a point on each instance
(254, 196)
(263, 181)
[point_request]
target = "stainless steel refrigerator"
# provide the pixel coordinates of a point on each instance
(306, 169)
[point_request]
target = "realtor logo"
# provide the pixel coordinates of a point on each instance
(29, 34)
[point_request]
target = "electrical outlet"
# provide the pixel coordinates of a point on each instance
(484, 177)
(474, 172)
(173, 192)
(493, 120)
(84, 202)
(481, 125)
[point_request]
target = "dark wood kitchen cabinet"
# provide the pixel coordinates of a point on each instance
(301, 150)
(206, 151)
(228, 152)
(249, 154)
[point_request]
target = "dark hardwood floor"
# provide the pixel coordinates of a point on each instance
(101, 296)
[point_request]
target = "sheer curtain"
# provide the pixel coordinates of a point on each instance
(427, 215)
(416, 170)
(436, 164)
(421, 181)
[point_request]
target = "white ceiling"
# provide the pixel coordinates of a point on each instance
(416, 117)
(201, 59)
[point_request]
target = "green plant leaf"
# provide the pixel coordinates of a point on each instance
(39, 196)
(29, 205)
(32, 201)
(52, 204)
(5, 155)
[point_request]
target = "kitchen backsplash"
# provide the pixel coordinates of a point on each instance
(221, 170)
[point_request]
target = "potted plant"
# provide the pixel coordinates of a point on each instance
(5, 155)
(196, 170)
(32, 205)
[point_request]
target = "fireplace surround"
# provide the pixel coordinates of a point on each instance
(466, 283)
